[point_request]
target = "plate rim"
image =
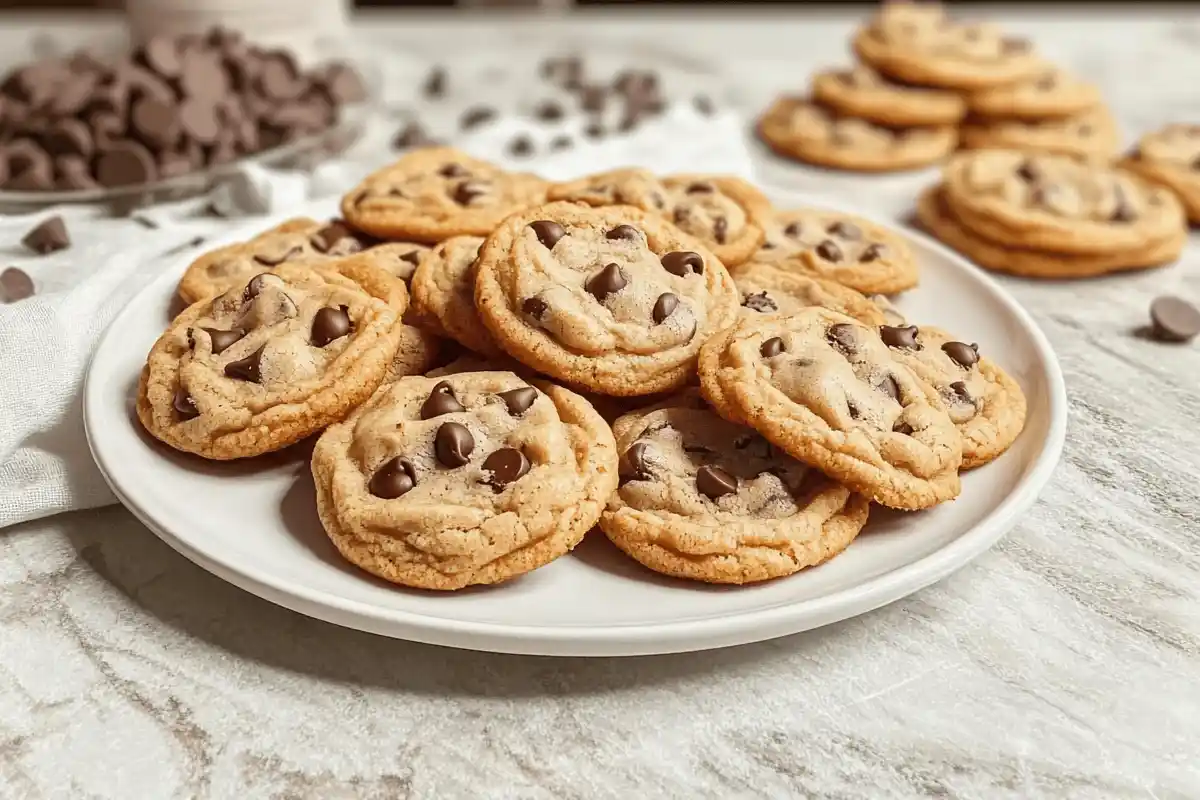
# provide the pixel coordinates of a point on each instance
(739, 627)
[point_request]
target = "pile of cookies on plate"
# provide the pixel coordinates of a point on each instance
(494, 365)
(927, 84)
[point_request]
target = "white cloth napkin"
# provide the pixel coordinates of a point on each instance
(46, 341)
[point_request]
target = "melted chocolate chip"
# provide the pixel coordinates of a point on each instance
(329, 324)
(760, 302)
(626, 232)
(519, 400)
(903, 428)
(843, 337)
(637, 462)
(683, 263)
(771, 347)
(534, 307)
(829, 251)
(221, 340)
(664, 307)
(453, 444)
(960, 393)
(873, 252)
(253, 287)
(248, 368)
(441, 400)
(548, 232)
(605, 282)
(965, 355)
(903, 337)
(395, 478)
(183, 406)
(714, 482)
(506, 466)
(846, 230)
(467, 192)
(720, 229)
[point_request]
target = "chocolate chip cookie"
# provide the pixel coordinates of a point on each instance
(798, 128)
(435, 193)
(616, 300)
(705, 499)
(271, 362)
(1091, 135)
(1051, 94)
(863, 92)
(474, 478)
(1170, 157)
(1059, 204)
(920, 44)
(444, 288)
(839, 247)
(767, 289)
(828, 391)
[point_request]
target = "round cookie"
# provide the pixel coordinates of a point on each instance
(1091, 136)
(1170, 157)
(863, 92)
(705, 499)
(797, 128)
(827, 390)
(935, 217)
(474, 478)
(1051, 94)
(417, 352)
(767, 289)
(435, 193)
(839, 247)
(918, 43)
(616, 300)
(443, 288)
(983, 401)
(1059, 204)
(269, 363)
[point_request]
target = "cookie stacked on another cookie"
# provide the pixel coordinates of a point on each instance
(1052, 216)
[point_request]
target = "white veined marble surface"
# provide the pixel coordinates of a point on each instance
(1065, 663)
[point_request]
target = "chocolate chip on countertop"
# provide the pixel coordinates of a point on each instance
(505, 466)
(521, 146)
(15, 284)
(1174, 319)
(549, 111)
(474, 117)
(411, 135)
(594, 130)
(559, 143)
(704, 105)
(435, 84)
(48, 236)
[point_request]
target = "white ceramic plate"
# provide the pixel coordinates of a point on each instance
(254, 523)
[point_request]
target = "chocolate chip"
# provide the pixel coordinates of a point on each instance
(760, 302)
(873, 252)
(700, 188)
(903, 428)
(560, 142)
(474, 117)
(441, 400)
(221, 340)
(548, 232)
(771, 347)
(199, 122)
(155, 122)
(329, 324)
(336, 236)
(829, 251)
(714, 482)
(549, 111)
(626, 232)
(15, 284)
(395, 478)
(274, 259)
(637, 462)
(605, 282)
(720, 229)
(794, 229)
(48, 236)
(453, 170)
(960, 393)
(664, 307)
(184, 406)
(887, 384)
(846, 230)
(683, 263)
(1122, 210)
(253, 287)
(681, 215)
(435, 84)
(965, 355)
(903, 337)
(506, 466)
(703, 105)
(411, 135)
(125, 163)
(467, 192)
(844, 337)
(248, 368)
(69, 137)
(593, 98)
(453, 444)
(519, 400)
(1173, 319)
(1028, 171)
(594, 130)
(534, 307)
(521, 146)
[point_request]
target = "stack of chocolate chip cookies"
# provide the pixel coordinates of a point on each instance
(1052, 216)
(718, 385)
(927, 84)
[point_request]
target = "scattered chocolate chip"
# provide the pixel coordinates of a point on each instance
(720, 229)
(664, 307)
(329, 324)
(843, 337)
(846, 230)
(506, 466)
(703, 105)
(594, 130)
(873, 252)
(625, 232)
(902, 337)
(593, 98)
(441, 400)
(829, 251)
(605, 282)
(965, 355)
(1173, 319)
(453, 444)
(760, 302)
(468, 191)
(683, 263)
(549, 111)
(183, 405)
(548, 232)
(411, 135)
(637, 461)
(395, 478)
(15, 284)
(435, 84)
(771, 347)
(221, 340)
(519, 400)
(474, 117)
(714, 482)
(521, 146)
(534, 307)
(560, 142)
(248, 368)
(48, 236)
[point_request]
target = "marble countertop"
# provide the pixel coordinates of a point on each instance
(1063, 663)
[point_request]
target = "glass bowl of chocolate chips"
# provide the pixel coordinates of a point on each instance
(170, 119)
